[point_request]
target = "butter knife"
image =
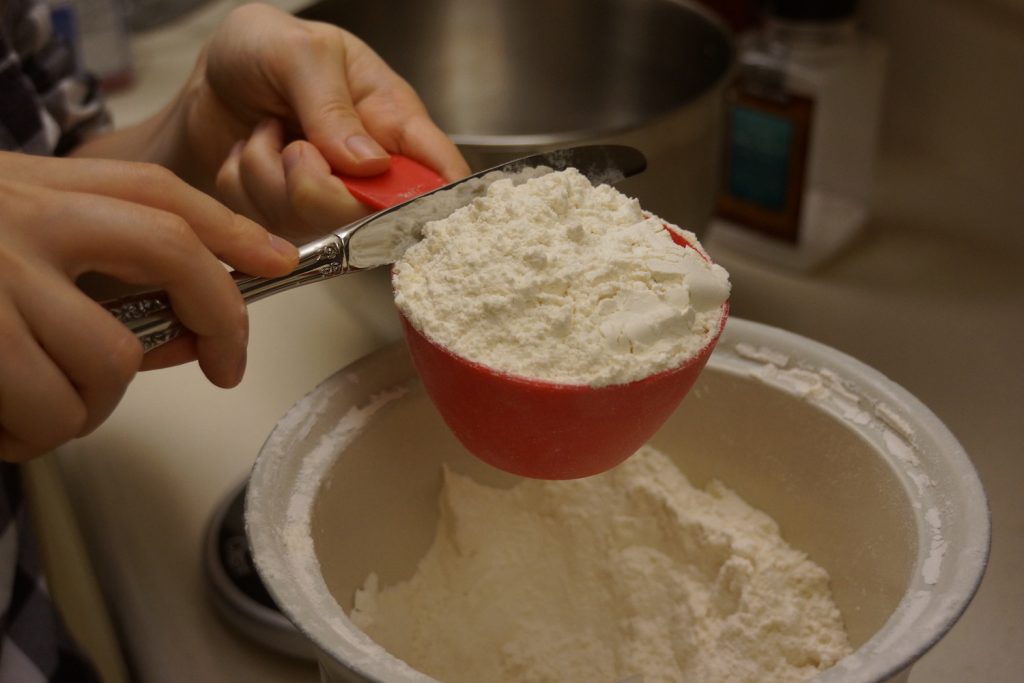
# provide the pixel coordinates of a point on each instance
(382, 237)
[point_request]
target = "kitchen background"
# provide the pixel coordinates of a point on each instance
(931, 294)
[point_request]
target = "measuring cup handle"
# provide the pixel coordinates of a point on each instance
(151, 316)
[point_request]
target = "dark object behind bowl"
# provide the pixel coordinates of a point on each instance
(508, 77)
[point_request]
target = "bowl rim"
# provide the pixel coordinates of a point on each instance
(915, 625)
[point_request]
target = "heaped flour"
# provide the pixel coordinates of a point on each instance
(629, 572)
(558, 280)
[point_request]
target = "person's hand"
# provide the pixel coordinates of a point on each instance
(66, 361)
(278, 102)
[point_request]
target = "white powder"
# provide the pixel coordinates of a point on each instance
(559, 280)
(387, 237)
(629, 572)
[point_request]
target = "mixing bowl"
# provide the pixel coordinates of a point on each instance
(856, 471)
(506, 78)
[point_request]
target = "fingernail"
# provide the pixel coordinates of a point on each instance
(282, 246)
(364, 148)
(291, 157)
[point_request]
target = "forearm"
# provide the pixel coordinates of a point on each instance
(156, 139)
(187, 136)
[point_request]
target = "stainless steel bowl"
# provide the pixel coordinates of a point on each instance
(505, 78)
(857, 472)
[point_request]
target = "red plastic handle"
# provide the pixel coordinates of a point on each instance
(405, 179)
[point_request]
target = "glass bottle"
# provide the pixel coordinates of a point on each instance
(802, 135)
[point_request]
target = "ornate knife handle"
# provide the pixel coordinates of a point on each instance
(150, 316)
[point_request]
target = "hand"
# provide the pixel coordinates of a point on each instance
(279, 102)
(66, 361)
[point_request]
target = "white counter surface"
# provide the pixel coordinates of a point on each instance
(940, 316)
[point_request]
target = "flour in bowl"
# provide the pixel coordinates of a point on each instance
(629, 572)
(556, 279)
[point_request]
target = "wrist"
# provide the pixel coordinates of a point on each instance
(191, 135)
(159, 139)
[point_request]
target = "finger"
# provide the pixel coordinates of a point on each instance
(15, 450)
(395, 116)
(317, 197)
(262, 174)
(97, 354)
(145, 246)
(315, 84)
(39, 408)
(178, 351)
(419, 138)
(234, 239)
(232, 191)
(398, 118)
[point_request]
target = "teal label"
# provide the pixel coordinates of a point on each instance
(759, 156)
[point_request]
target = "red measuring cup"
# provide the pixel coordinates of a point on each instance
(546, 430)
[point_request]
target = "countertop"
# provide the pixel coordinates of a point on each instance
(940, 315)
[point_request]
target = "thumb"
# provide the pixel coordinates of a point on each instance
(321, 99)
(337, 132)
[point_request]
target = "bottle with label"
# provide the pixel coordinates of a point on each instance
(803, 122)
(105, 46)
(64, 21)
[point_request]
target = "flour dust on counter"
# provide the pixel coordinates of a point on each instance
(631, 572)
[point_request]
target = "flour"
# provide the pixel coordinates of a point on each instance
(559, 280)
(389, 235)
(629, 572)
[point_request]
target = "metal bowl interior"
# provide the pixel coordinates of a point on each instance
(532, 72)
(857, 472)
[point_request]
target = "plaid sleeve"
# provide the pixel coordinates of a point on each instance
(35, 646)
(46, 105)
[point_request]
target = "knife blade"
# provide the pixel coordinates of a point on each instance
(381, 238)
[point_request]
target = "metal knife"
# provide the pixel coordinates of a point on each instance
(381, 238)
